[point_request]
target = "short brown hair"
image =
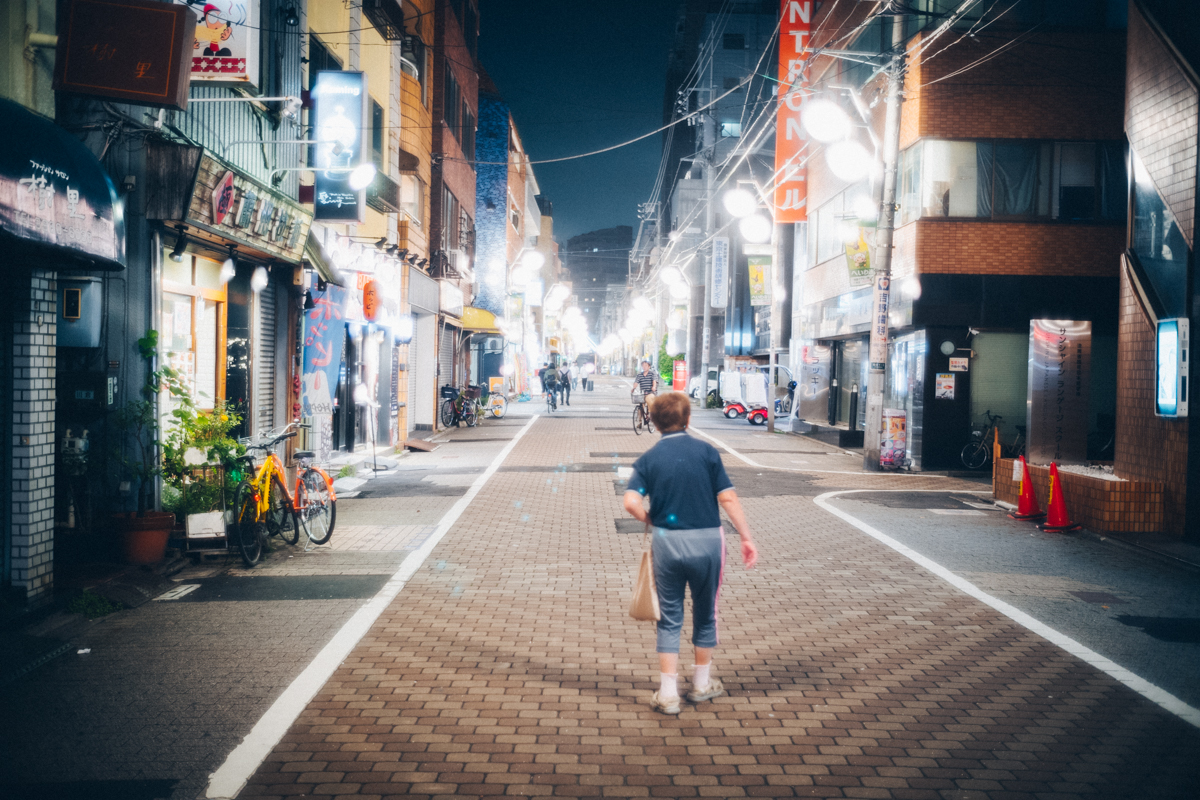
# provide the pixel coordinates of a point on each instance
(670, 412)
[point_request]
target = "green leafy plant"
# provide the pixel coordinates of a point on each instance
(92, 605)
(666, 362)
(347, 471)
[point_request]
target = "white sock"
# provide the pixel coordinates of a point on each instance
(667, 687)
(700, 678)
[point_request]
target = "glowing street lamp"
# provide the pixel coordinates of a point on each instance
(755, 228)
(739, 202)
(849, 160)
(825, 121)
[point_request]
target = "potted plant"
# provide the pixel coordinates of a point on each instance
(144, 532)
(199, 461)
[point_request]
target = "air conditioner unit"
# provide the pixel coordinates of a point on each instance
(383, 194)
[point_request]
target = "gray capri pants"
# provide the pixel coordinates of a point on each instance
(695, 558)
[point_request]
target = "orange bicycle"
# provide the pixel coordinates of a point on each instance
(315, 500)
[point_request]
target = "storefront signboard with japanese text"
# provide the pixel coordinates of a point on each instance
(858, 261)
(339, 128)
(235, 207)
(791, 193)
(1060, 366)
(960, 363)
(880, 297)
(324, 337)
(720, 272)
(53, 191)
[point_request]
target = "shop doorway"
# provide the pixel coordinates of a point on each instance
(848, 380)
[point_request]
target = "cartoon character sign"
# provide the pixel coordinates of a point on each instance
(225, 47)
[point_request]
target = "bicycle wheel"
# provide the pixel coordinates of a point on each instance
(637, 420)
(281, 516)
(649, 423)
(975, 455)
(447, 413)
(470, 413)
(319, 509)
(245, 524)
(498, 405)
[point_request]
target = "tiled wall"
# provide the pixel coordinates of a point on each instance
(1097, 504)
(34, 353)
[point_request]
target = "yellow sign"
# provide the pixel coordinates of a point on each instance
(858, 261)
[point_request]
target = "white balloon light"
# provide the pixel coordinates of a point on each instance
(679, 291)
(643, 305)
(739, 202)
(864, 207)
(671, 276)
(361, 176)
(824, 120)
(850, 161)
(755, 228)
(258, 281)
(533, 260)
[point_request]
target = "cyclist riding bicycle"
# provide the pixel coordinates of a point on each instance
(550, 385)
(646, 381)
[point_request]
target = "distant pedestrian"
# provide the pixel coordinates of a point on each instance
(686, 482)
(564, 381)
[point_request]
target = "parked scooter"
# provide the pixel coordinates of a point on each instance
(784, 405)
(757, 416)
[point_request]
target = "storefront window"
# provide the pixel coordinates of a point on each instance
(191, 331)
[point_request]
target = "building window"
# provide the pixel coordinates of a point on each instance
(732, 83)
(1158, 243)
(731, 130)
(514, 217)
(1012, 179)
(451, 102)
(411, 195)
(193, 325)
(468, 132)
(733, 41)
(450, 227)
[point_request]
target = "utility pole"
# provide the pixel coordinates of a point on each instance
(709, 134)
(882, 278)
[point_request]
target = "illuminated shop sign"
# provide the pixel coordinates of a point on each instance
(225, 45)
(1171, 368)
(339, 128)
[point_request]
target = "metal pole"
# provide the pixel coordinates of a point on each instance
(873, 434)
(709, 134)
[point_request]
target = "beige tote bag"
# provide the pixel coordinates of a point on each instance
(644, 605)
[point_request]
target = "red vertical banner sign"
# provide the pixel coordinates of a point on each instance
(679, 376)
(791, 193)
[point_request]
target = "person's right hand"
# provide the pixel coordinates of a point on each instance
(749, 552)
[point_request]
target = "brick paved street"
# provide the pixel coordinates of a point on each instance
(508, 666)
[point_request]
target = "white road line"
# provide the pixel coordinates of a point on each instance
(1154, 694)
(754, 463)
(231, 777)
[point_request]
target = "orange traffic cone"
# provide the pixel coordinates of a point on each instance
(1057, 521)
(1027, 505)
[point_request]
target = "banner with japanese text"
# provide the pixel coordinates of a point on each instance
(791, 193)
(759, 270)
(324, 336)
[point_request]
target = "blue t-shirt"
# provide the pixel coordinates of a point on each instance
(683, 477)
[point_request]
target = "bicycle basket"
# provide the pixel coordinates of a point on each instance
(472, 393)
(637, 398)
(448, 392)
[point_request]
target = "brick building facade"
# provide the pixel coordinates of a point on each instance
(994, 225)
(1162, 121)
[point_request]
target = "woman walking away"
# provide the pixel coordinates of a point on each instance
(686, 481)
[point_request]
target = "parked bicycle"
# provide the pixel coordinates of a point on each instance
(315, 501)
(978, 452)
(496, 404)
(641, 414)
(262, 506)
(460, 405)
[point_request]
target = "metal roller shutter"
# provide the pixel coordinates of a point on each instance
(411, 367)
(264, 360)
(446, 356)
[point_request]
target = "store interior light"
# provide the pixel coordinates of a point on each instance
(403, 329)
(825, 120)
(674, 236)
(229, 268)
(911, 287)
(739, 202)
(850, 161)
(755, 228)
(258, 281)
(506, 370)
(361, 177)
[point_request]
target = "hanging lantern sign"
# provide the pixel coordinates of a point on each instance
(372, 299)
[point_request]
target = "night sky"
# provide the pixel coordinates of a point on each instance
(578, 77)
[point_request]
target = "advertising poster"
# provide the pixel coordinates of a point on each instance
(944, 388)
(759, 270)
(720, 275)
(225, 48)
(894, 447)
(858, 261)
(1060, 365)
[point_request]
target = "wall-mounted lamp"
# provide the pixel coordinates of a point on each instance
(309, 305)
(180, 244)
(290, 17)
(412, 259)
(422, 263)
(229, 268)
(382, 243)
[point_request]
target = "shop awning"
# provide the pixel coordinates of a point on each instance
(316, 257)
(58, 207)
(477, 320)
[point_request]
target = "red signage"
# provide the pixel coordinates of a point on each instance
(138, 51)
(791, 193)
(223, 198)
(679, 376)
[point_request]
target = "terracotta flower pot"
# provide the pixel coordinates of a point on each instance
(144, 539)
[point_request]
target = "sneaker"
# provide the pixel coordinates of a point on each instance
(668, 706)
(714, 689)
